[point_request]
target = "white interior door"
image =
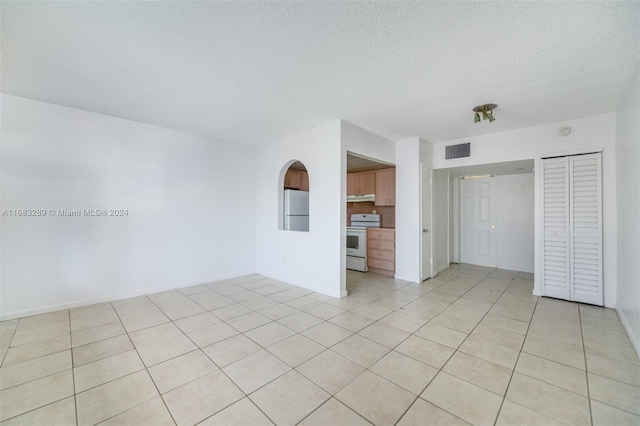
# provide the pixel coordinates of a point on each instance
(478, 221)
(426, 266)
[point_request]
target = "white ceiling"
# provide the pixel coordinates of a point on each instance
(253, 72)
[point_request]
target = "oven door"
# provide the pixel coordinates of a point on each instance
(357, 242)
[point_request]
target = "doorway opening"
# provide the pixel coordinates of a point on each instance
(369, 218)
(491, 214)
(426, 221)
(293, 193)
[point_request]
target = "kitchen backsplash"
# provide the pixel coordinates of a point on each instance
(387, 213)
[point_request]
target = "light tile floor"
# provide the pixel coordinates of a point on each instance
(470, 346)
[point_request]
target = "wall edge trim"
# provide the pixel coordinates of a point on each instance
(625, 323)
(104, 299)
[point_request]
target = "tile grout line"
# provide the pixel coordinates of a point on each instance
(145, 368)
(440, 369)
(392, 349)
(198, 348)
(295, 368)
(571, 367)
(73, 375)
(13, 333)
(378, 296)
(586, 366)
(214, 363)
(48, 375)
(230, 379)
(68, 313)
(240, 333)
(410, 335)
(339, 402)
(504, 398)
(246, 395)
(461, 343)
(366, 369)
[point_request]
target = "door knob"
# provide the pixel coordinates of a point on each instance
(425, 230)
(493, 227)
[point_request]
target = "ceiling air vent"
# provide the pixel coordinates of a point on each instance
(458, 151)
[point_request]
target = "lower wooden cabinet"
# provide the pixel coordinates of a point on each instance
(381, 251)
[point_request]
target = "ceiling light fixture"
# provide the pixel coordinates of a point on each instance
(487, 112)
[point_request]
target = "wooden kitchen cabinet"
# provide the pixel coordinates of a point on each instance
(381, 251)
(361, 183)
(353, 181)
(304, 181)
(292, 179)
(368, 183)
(385, 187)
(295, 179)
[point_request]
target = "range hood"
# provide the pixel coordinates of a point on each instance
(361, 198)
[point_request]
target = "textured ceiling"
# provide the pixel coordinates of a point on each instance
(253, 72)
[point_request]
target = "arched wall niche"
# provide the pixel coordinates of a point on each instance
(293, 197)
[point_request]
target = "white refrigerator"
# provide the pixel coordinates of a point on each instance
(296, 210)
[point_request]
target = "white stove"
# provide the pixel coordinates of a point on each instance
(365, 221)
(357, 240)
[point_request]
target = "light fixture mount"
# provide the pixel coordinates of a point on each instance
(487, 112)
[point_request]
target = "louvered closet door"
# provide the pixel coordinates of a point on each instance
(556, 260)
(572, 262)
(586, 228)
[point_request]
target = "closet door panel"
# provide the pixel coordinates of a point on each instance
(586, 228)
(557, 276)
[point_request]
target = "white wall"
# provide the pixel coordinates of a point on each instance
(191, 209)
(535, 142)
(440, 220)
(314, 259)
(515, 222)
(360, 141)
(408, 210)
(454, 240)
(628, 184)
(411, 154)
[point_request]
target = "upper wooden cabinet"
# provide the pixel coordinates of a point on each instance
(386, 187)
(295, 179)
(361, 183)
(292, 179)
(353, 182)
(368, 183)
(304, 181)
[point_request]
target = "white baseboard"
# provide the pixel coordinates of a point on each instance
(338, 294)
(103, 299)
(403, 278)
(441, 269)
(625, 323)
(520, 268)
